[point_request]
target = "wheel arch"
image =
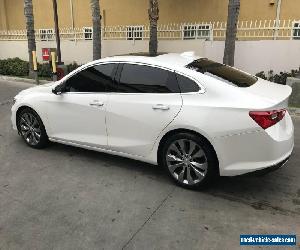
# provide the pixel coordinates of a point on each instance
(21, 108)
(181, 130)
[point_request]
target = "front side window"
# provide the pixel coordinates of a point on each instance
(223, 72)
(97, 78)
(146, 79)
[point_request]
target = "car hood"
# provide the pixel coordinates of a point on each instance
(45, 88)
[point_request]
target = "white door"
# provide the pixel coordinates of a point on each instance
(78, 114)
(147, 100)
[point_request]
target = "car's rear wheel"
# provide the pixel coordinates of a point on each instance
(190, 160)
(32, 129)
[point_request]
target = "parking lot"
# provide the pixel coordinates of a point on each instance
(70, 198)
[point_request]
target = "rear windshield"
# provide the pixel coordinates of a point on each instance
(222, 72)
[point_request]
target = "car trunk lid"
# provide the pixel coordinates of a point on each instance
(277, 95)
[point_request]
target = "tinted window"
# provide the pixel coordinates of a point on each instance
(187, 85)
(94, 79)
(144, 79)
(223, 72)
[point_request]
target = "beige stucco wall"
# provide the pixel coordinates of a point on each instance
(3, 19)
(250, 56)
(15, 14)
(290, 9)
(130, 12)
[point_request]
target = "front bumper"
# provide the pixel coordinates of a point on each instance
(13, 117)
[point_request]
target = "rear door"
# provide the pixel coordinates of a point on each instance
(146, 101)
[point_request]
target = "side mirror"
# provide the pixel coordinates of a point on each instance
(58, 89)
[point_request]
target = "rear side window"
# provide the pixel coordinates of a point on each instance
(145, 79)
(93, 79)
(187, 85)
(223, 72)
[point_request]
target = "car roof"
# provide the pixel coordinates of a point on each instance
(170, 60)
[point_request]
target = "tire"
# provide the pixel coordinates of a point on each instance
(189, 160)
(32, 129)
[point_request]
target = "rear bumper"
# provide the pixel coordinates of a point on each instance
(269, 169)
(255, 150)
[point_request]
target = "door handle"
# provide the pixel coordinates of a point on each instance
(96, 104)
(161, 107)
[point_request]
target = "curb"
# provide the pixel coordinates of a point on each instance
(20, 79)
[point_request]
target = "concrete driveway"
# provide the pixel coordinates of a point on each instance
(69, 198)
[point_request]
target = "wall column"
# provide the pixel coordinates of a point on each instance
(278, 11)
(72, 14)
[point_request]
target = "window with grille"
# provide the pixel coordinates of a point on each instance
(87, 33)
(134, 32)
(296, 30)
(46, 34)
(197, 32)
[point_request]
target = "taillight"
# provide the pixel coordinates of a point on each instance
(266, 119)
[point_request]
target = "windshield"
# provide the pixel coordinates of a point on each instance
(222, 72)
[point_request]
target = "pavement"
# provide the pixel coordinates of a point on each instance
(69, 198)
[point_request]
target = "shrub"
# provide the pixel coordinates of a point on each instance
(14, 66)
(72, 66)
(278, 78)
(18, 67)
(261, 75)
(44, 70)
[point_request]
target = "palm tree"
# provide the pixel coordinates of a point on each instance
(57, 37)
(231, 30)
(95, 7)
(28, 12)
(153, 12)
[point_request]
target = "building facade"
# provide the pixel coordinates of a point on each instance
(268, 30)
(77, 13)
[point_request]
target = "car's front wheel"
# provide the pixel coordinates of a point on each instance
(32, 129)
(190, 160)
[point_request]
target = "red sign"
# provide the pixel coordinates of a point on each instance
(46, 54)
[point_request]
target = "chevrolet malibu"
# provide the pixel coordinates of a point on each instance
(196, 118)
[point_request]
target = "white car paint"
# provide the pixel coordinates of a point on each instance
(72, 108)
(129, 125)
(141, 124)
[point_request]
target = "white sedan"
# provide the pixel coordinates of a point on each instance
(195, 117)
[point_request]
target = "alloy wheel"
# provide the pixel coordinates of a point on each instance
(30, 129)
(187, 161)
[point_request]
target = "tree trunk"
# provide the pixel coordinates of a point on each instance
(232, 20)
(57, 37)
(95, 7)
(28, 12)
(153, 18)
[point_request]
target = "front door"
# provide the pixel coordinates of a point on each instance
(78, 115)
